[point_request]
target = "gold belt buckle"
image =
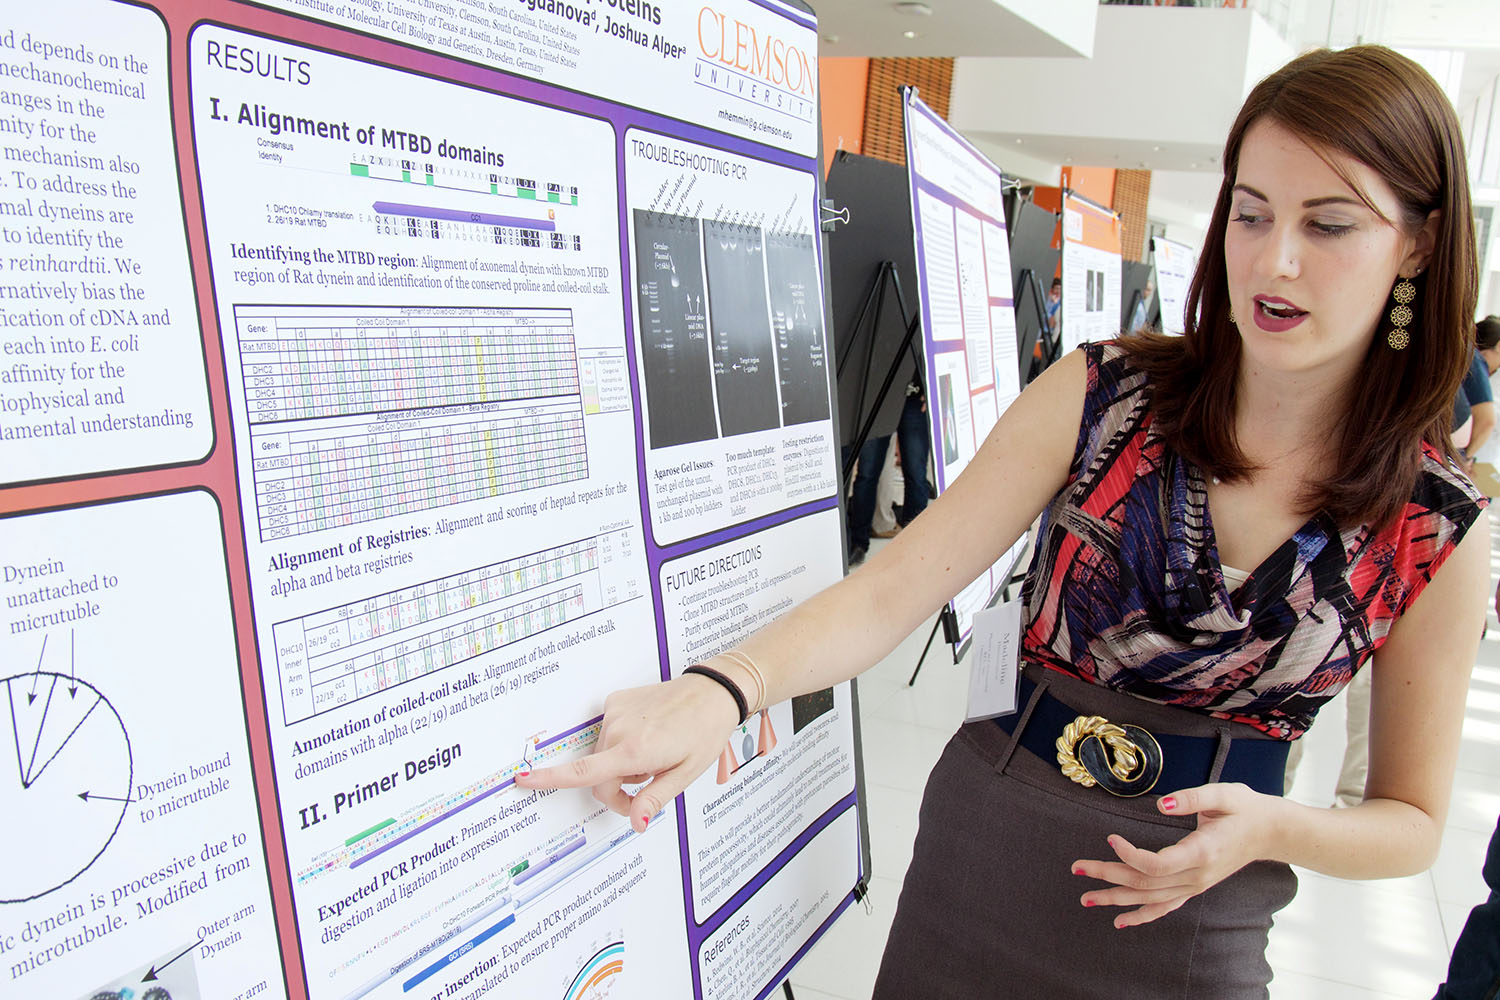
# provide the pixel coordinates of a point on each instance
(1123, 760)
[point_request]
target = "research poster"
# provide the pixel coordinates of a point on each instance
(1173, 264)
(968, 310)
(1090, 273)
(103, 367)
(383, 386)
(133, 852)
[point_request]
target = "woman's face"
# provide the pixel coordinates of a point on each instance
(1310, 267)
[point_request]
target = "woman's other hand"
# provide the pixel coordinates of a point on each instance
(1232, 821)
(665, 734)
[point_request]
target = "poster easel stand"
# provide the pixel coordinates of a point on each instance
(1050, 344)
(886, 274)
(947, 619)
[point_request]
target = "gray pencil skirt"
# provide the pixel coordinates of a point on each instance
(990, 906)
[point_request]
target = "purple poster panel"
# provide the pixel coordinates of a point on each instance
(394, 382)
(509, 425)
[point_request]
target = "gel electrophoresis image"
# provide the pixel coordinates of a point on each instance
(673, 329)
(744, 365)
(797, 320)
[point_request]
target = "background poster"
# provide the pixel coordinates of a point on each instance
(1090, 273)
(392, 384)
(1174, 264)
(968, 311)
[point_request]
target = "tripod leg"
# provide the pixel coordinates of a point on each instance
(930, 636)
(786, 988)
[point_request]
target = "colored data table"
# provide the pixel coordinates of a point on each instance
(362, 413)
(351, 651)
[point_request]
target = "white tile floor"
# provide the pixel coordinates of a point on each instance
(1337, 940)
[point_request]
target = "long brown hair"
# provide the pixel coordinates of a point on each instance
(1383, 110)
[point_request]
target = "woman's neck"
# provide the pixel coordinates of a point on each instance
(1279, 415)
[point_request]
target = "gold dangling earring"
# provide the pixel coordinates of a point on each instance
(1231, 315)
(1404, 293)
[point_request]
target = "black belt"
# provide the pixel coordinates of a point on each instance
(1179, 761)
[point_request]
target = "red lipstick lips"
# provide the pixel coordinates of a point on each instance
(1276, 315)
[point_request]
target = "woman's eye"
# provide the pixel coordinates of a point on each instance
(1248, 218)
(1331, 228)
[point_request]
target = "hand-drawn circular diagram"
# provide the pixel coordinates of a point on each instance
(597, 978)
(65, 786)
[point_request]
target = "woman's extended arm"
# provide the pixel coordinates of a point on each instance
(672, 732)
(1420, 685)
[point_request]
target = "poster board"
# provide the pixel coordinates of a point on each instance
(1033, 261)
(385, 385)
(1139, 304)
(968, 312)
(1174, 264)
(1090, 272)
(869, 333)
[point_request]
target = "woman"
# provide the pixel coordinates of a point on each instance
(1299, 432)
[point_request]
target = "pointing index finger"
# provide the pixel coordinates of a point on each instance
(585, 772)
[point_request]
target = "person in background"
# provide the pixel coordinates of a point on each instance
(914, 444)
(1477, 392)
(1482, 454)
(1142, 308)
(1487, 342)
(1235, 522)
(860, 516)
(1463, 420)
(913, 437)
(1054, 302)
(1474, 968)
(888, 496)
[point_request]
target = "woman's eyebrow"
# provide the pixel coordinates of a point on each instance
(1332, 199)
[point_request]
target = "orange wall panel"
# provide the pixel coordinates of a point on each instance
(1097, 184)
(844, 83)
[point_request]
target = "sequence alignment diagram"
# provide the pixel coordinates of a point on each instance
(358, 414)
(419, 217)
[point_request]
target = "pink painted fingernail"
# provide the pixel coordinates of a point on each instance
(645, 822)
(1088, 902)
(1168, 803)
(1077, 871)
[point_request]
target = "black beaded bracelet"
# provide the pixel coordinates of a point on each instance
(729, 685)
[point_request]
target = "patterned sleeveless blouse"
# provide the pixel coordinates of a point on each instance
(1125, 587)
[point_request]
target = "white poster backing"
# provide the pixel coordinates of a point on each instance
(968, 311)
(1090, 273)
(1174, 264)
